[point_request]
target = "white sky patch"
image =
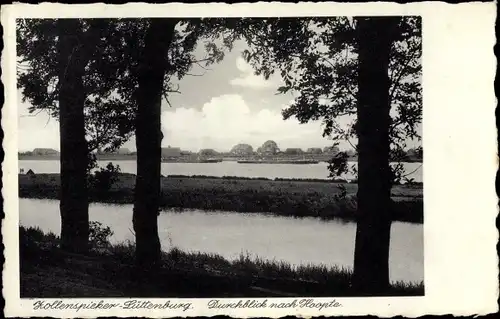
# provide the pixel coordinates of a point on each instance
(227, 120)
(249, 79)
(36, 130)
(220, 123)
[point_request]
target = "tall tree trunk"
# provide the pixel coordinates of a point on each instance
(148, 140)
(371, 258)
(73, 199)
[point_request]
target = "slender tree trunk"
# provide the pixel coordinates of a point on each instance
(73, 199)
(148, 141)
(371, 258)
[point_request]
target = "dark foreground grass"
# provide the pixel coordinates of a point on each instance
(297, 198)
(47, 272)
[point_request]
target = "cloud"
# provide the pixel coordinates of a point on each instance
(249, 80)
(220, 123)
(228, 120)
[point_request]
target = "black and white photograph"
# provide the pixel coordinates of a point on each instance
(246, 156)
(220, 157)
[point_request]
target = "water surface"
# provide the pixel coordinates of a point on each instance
(226, 168)
(297, 241)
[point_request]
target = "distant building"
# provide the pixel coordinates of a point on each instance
(294, 151)
(30, 173)
(123, 151)
(170, 152)
(314, 150)
(45, 152)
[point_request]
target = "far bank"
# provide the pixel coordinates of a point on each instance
(196, 159)
(298, 198)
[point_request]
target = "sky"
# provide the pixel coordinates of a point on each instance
(217, 108)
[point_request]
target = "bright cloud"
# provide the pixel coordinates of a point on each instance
(221, 123)
(227, 120)
(249, 79)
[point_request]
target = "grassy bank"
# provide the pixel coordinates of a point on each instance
(298, 198)
(47, 272)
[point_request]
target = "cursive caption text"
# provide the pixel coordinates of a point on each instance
(217, 304)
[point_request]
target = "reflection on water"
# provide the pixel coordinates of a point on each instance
(319, 171)
(298, 241)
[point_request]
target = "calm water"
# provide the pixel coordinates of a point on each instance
(298, 241)
(223, 169)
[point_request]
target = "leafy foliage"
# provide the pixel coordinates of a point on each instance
(317, 59)
(113, 48)
(338, 164)
(342, 193)
(108, 124)
(99, 235)
(30, 237)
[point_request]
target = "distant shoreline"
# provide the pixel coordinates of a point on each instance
(181, 160)
(293, 198)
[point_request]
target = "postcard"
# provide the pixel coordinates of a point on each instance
(249, 160)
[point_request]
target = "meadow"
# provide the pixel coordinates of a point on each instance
(298, 198)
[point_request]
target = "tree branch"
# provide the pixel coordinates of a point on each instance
(33, 115)
(343, 135)
(201, 66)
(169, 90)
(403, 69)
(416, 169)
(202, 60)
(165, 96)
(190, 74)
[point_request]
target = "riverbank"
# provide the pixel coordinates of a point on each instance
(47, 272)
(285, 197)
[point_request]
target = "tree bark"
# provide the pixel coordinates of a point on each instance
(148, 140)
(73, 145)
(371, 258)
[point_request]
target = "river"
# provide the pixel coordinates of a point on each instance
(297, 241)
(226, 168)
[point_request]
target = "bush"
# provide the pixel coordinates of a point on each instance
(99, 235)
(102, 181)
(341, 196)
(33, 237)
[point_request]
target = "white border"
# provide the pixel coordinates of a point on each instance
(459, 140)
